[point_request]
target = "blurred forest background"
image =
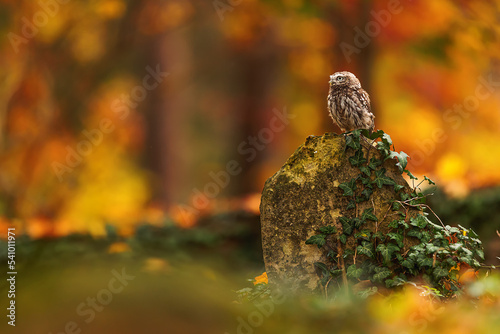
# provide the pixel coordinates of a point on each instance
(139, 134)
(117, 112)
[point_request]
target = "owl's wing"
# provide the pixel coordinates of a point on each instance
(365, 99)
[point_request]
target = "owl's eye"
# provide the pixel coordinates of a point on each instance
(340, 78)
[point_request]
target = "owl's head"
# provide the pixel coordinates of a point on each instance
(344, 79)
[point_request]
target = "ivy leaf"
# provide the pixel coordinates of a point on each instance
(351, 205)
(404, 196)
(353, 142)
(365, 180)
(367, 292)
(398, 187)
(374, 163)
(420, 221)
(374, 135)
(396, 237)
(332, 254)
(394, 224)
(382, 249)
(439, 236)
(452, 229)
(429, 180)
(412, 177)
(348, 187)
(396, 206)
(403, 223)
(426, 236)
(381, 179)
(386, 139)
(384, 151)
(322, 266)
(368, 266)
(360, 199)
(418, 249)
(336, 272)
(318, 240)
(367, 192)
(440, 272)
(415, 233)
(343, 238)
(365, 170)
(380, 274)
(476, 241)
(357, 133)
(466, 259)
(365, 133)
(390, 283)
(424, 261)
(456, 246)
(368, 214)
(353, 271)
(466, 251)
(431, 248)
(358, 222)
(386, 251)
(347, 225)
(328, 229)
(402, 159)
(451, 263)
(420, 199)
(357, 159)
(366, 248)
(479, 253)
(408, 263)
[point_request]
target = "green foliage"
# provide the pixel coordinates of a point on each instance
(380, 178)
(318, 240)
(389, 259)
(354, 272)
(348, 187)
(480, 210)
(225, 240)
(256, 292)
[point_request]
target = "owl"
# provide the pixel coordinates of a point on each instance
(348, 103)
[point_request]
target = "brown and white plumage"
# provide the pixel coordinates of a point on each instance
(348, 103)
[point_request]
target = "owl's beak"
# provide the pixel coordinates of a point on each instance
(331, 78)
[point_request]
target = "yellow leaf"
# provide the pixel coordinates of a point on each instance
(261, 279)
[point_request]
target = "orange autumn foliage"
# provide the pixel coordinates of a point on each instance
(261, 279)
(430, 70)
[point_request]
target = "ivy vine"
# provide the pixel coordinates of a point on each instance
(438, 250)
